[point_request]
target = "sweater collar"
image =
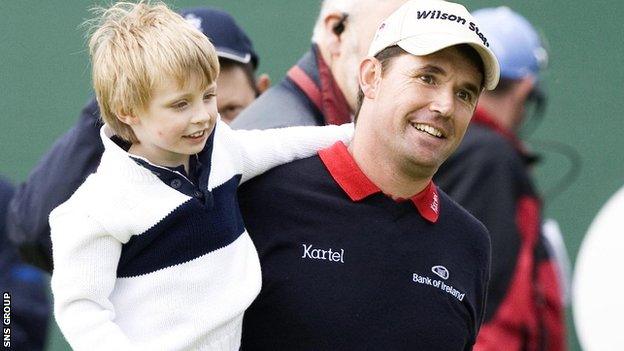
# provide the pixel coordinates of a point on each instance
(116, 158)
(116, 161)
(354, 182)
(313, 76)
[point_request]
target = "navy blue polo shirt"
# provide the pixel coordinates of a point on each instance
(346, 267)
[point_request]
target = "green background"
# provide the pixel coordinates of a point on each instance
(44, 82)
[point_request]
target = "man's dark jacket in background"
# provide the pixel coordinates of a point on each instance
(55, 178)
(488, 175)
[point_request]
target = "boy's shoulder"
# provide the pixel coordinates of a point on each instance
(97, 198)
(120, 206)
(95, 191)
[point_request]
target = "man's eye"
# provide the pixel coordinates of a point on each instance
(230, 112)
(464, 95)
(426, 79)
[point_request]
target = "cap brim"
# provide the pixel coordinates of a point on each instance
(428, 44)
(233, 55)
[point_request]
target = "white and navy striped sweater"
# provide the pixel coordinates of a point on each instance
(139, 265)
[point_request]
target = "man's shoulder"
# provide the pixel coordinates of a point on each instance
(298, 175)
(467, 230)
(305, 168)
(283, 105)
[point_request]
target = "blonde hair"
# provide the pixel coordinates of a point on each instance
(134, 47)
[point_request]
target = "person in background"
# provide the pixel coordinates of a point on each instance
(322, 87)
(77, 153)
(489, 176)
(27, 291)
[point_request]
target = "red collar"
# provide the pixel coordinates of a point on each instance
(328, 98)
(354, 182)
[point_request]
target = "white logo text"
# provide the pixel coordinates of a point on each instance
(320, 254)
(438, 284)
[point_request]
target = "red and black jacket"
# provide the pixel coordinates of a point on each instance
(488, 176)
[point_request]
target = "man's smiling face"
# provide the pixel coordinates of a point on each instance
(422, 108)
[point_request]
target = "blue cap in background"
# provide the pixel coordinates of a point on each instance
(514, 41)
(229, 39)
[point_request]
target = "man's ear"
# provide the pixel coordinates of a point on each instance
(523, 88)
(370, 77)
(129, 118)
(334, 23)
(263, 82)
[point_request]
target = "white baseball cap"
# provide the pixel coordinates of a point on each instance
(422, 27)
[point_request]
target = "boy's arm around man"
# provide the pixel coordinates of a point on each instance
(261, 150)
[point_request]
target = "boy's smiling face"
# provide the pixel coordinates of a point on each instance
(175, 123)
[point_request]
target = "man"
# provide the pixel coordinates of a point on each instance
(77, 153)
(359, 249)
(488, 175)
(322, 87)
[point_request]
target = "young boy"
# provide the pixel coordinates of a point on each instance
(150, 253)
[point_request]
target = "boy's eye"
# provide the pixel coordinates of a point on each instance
(180, 105)
(209, 96)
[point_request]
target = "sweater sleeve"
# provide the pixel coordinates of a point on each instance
(261, 150)
(85, 264)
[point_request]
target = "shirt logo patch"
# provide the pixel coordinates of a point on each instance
(435, 203)
(330, 254)
(440, 271)
(438, 284)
